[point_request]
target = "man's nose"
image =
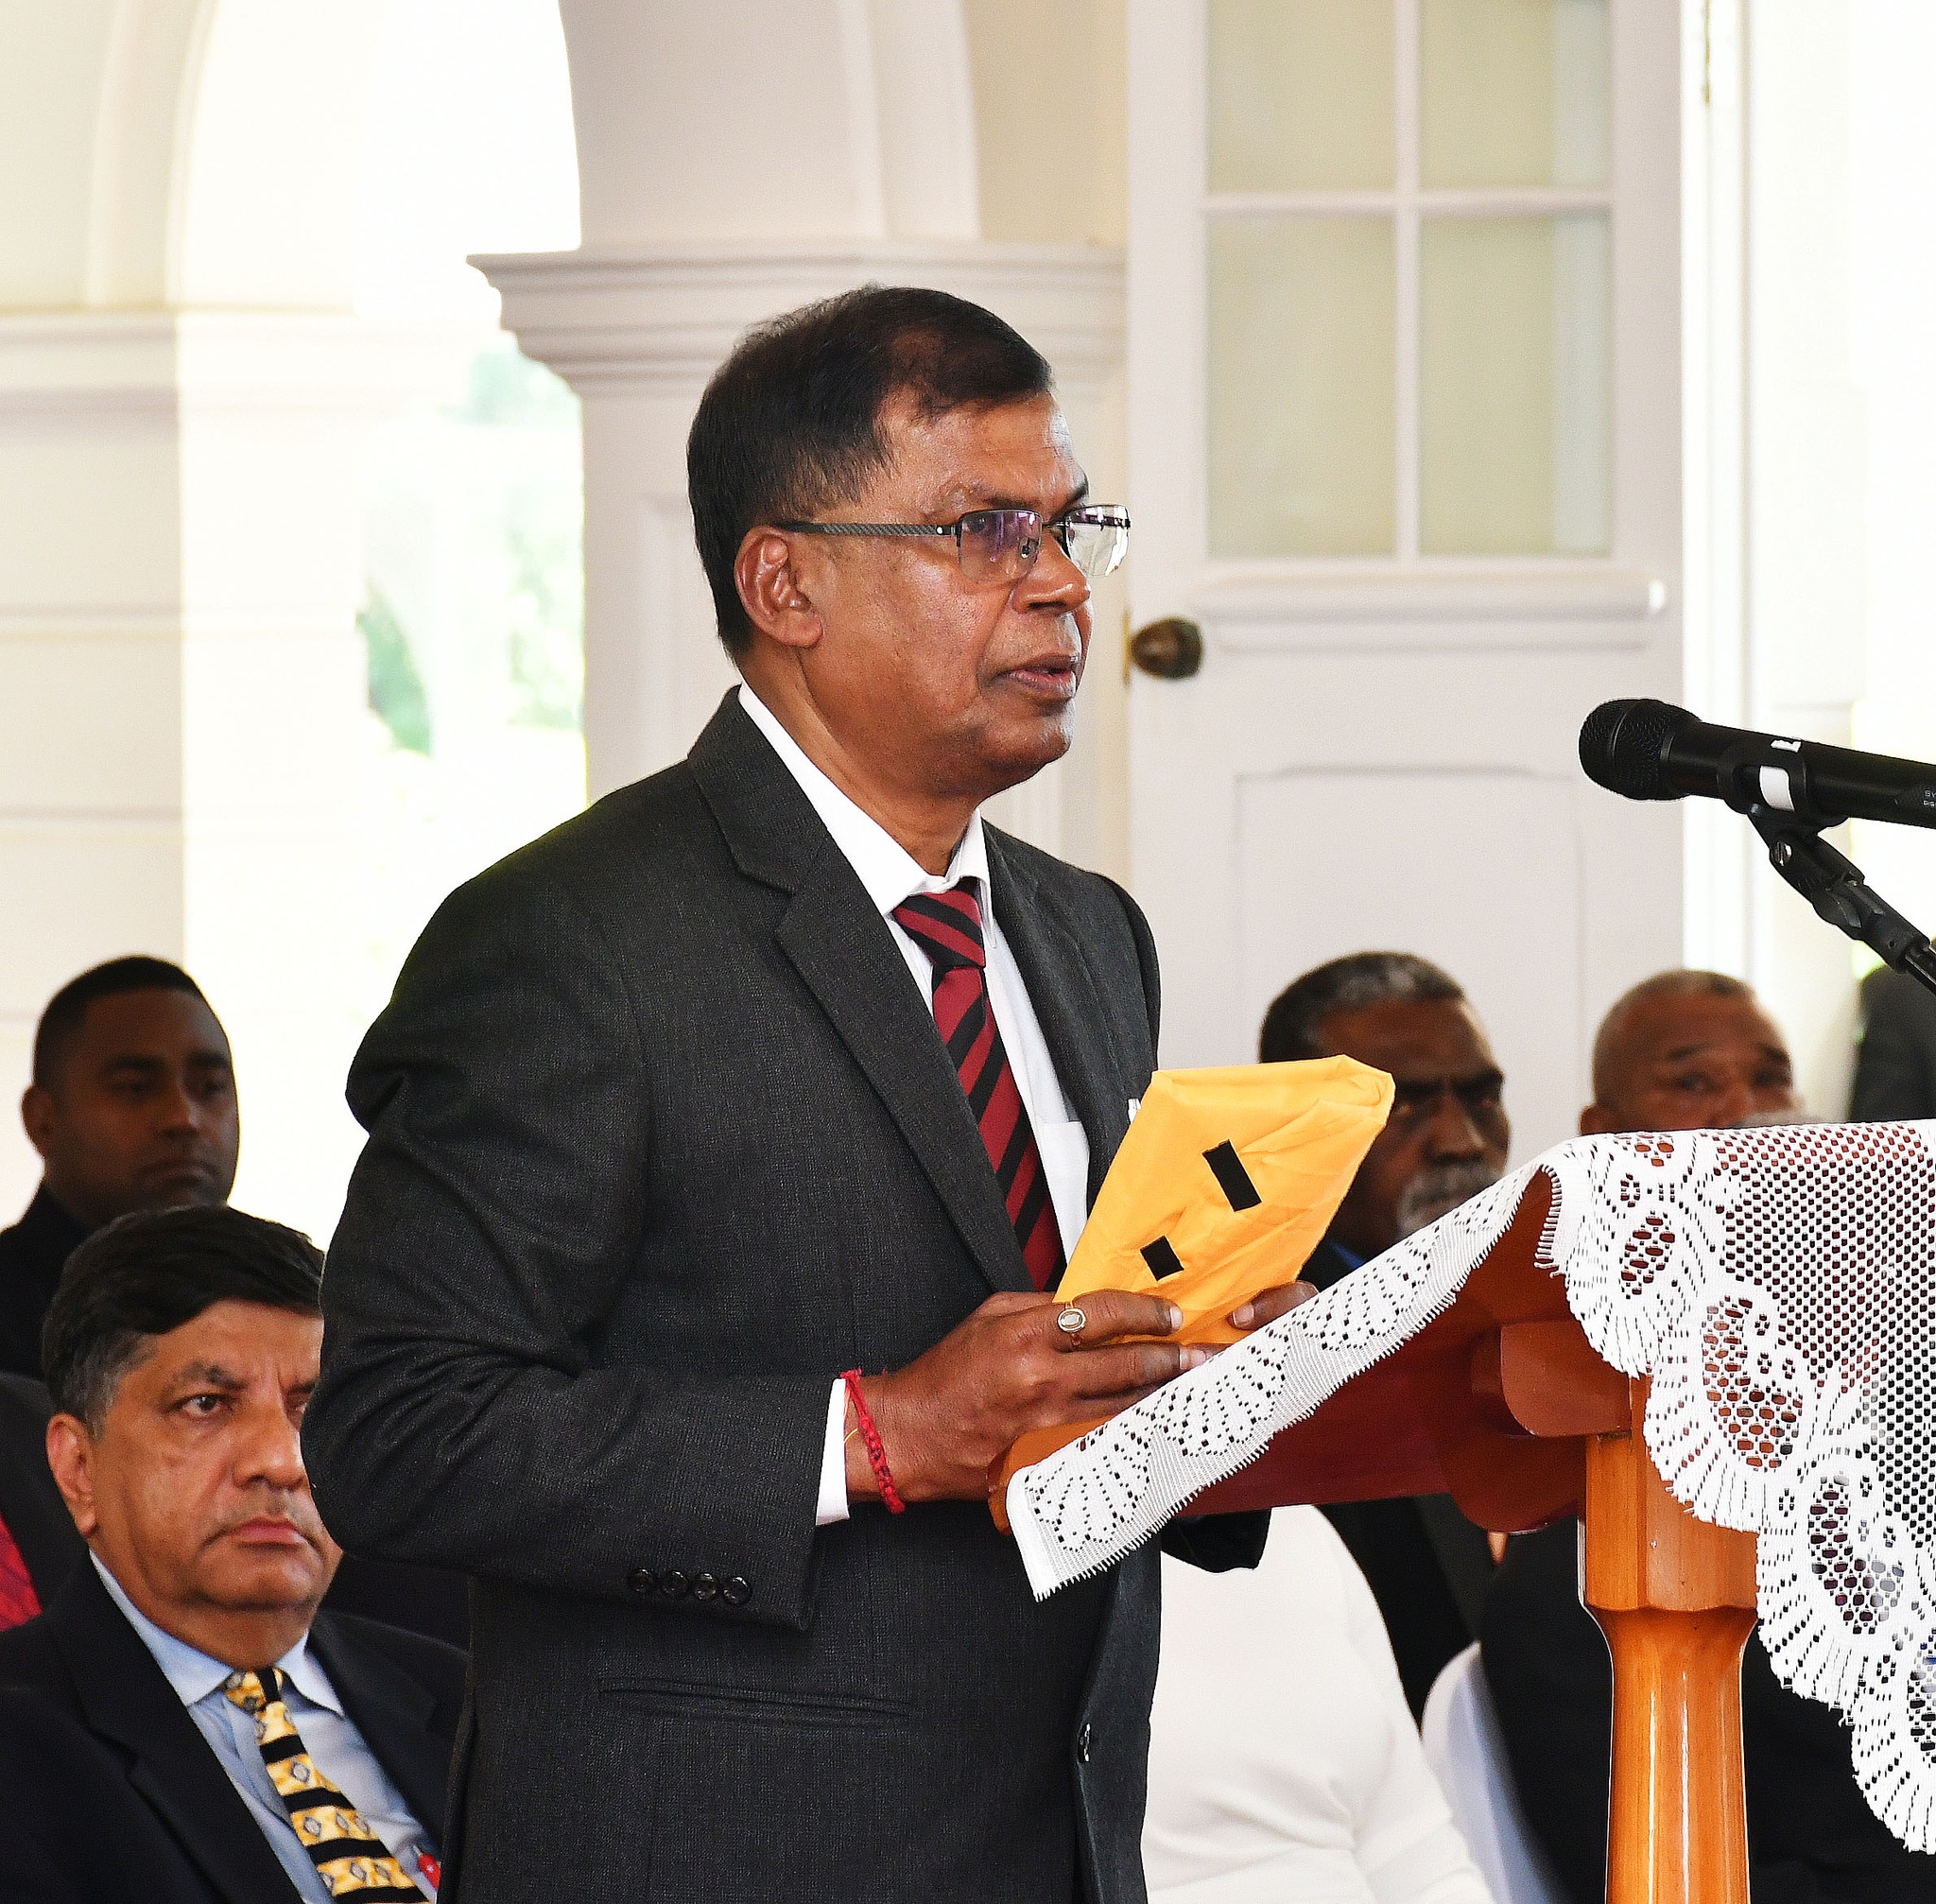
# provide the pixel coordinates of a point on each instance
(1731, 1103)
(181, 1109)
(1055, 583)
(271, 1450)
(1453, 1132)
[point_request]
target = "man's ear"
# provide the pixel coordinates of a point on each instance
(37, 1117)
(71, 1455)
(1597, 1122)
(772, 589)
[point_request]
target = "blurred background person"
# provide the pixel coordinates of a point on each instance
(132, 1107)
(191, 1726)
(1895, 1057)
(1683, 1050)
(1283, 1761)
(1689, 1051)
(1446, 1140)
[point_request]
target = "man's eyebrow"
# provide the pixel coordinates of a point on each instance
(961, 500)
(1679, 1053)
(209, 1376)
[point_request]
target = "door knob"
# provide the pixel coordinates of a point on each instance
(1171, 650)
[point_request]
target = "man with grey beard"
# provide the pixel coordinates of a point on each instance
(1446, 1140)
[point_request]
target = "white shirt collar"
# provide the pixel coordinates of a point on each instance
(886, 868)
(195, 1675)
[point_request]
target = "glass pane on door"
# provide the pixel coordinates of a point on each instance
(1514, 386)
(1513, 93)
(1300, 95)
(1302, 425)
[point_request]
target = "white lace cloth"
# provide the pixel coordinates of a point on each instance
(1780, 1288)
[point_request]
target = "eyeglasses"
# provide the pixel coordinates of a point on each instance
(1001, 545)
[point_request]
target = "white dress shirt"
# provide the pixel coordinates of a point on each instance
(891, 875)
(1284, 1762)
(329, 1736)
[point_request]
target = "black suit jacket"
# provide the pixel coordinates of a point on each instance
(1895, 1063)
(30, 1504)
(107, 1791)
(1811, 1836)
(661, 1139)
(32, 1253)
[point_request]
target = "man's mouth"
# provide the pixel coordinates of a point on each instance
(1052, 676)
(266, 1530)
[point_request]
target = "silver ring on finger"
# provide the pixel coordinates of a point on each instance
(1070, 1320)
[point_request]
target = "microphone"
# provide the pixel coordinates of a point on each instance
(1650, 750)
(1789, 789)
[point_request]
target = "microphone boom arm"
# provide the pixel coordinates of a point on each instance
(1834, 886)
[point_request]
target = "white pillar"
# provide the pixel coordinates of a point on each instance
(181, 691)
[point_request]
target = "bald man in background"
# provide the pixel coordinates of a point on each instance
(1681, 1051)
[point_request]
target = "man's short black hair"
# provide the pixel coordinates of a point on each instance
(150, 1272)
(790, 422)
(1294, 1026)
(60, 1022)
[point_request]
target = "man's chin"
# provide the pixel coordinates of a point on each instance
(256, 1581)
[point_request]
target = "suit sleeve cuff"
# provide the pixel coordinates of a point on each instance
(833, 1503)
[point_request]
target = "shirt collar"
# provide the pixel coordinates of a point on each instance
(194, 1675)
(886, 868)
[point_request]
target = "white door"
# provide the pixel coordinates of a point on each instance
(1405, 443)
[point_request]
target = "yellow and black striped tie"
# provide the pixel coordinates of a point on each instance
(350, 1858)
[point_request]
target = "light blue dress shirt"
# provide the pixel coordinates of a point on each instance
(329, 1736)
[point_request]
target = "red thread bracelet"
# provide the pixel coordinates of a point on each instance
(870, 1441)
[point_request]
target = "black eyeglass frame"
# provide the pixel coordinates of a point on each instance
(1092, 515)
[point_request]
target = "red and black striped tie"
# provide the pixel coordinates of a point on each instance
(947, 927)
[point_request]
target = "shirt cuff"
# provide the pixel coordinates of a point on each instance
(833, 1505)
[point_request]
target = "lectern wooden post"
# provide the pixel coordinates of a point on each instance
(1502, 1403)
(1676, 1598)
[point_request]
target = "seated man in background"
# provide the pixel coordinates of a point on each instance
(182, 1723)
(1446, 1140)
(1683, 1050)
(132, 1107)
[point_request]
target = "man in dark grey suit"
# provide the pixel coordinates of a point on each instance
(779, 1065)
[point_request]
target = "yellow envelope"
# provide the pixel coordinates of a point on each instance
(1226, 1183)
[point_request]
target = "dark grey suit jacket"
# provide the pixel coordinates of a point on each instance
(661, 1139)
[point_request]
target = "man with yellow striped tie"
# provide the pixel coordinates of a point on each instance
(181, 1723)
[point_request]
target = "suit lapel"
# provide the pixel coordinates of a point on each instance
(1063, 994)
(127, 1698)
(846, 957)
(392, 1712)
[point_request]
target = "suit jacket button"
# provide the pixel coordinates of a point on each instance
(1083, 1739)
(736, 1591)
(705, 1587)
(642, 1580)
(674, 1585)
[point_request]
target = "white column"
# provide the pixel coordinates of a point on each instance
(181, 691)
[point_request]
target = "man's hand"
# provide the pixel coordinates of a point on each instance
(950, 1414)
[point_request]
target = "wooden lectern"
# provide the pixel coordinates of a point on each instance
(1502, 1403)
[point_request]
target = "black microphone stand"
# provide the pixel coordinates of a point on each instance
(1835, 887)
